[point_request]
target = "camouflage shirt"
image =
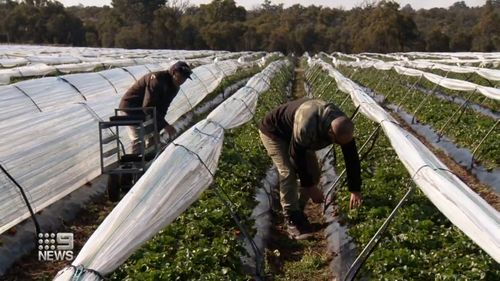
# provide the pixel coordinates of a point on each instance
(305, 123)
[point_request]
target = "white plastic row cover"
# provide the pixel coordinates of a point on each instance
(173, 182)
(462, 206)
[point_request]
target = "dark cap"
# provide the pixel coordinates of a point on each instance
(182, 68)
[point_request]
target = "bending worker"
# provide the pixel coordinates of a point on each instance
(156, 89)
(291, 133)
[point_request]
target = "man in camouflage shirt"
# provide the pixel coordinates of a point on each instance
(291, 133)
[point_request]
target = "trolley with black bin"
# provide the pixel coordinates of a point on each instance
(124, 169)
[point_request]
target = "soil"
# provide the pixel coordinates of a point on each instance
(30, 268)
(282, 250)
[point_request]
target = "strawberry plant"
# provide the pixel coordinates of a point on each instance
(420, 243)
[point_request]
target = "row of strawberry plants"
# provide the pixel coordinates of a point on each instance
(420, 243)
(204, 243)
(477, 98)
(467, 132)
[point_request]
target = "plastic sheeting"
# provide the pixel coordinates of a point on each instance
(172, 183)
(33, 96)
(490, 74)
(449, 83)
(463, 207)
(43, 60)
(51, 153)
(41, 69)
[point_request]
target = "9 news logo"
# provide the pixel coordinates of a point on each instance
(55, 247)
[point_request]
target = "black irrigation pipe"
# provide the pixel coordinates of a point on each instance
(33, 217)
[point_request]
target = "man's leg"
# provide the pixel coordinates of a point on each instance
(296, 223)
(314, 170)
(278, 151)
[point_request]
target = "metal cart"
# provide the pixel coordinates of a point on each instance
(126, 168)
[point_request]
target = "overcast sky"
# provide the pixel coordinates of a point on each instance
(346, 4)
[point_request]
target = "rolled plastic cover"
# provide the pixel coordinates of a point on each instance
(449, 83)
(173, 182)
(463, 207)
(64, 155)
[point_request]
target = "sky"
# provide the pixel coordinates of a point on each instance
(346, 4)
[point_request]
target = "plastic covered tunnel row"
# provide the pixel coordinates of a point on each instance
(487, 73)
(41, 69)
(16, 55)
(174, 181)
(39, 95)
(449, 83)
(462, 206)
(491, 59)
(52, 153)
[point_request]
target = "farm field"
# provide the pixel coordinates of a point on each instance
(206, 208)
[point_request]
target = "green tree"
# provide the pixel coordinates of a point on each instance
(108, 26)
(437, 41)
(134, 37)
(487, 30)
(387, 30)
(137, 11)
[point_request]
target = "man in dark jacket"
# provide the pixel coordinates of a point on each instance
(156, 89)
(291, 133)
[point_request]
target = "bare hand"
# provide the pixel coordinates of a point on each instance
(356, 200)
(170, 130)
(315, 194)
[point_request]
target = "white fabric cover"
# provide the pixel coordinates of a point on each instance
(43, 60)
(449, 83)
(172, 183)
(463, 207)
(52, 153)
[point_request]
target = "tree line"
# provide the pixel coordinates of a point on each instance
(376, 26)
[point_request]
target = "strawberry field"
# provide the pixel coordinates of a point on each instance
(421, 243)
(423, 129)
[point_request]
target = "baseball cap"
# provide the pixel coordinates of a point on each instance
(183, 68)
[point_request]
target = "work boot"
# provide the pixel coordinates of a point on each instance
(297, 226)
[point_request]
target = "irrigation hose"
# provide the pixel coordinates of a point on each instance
(35, 221)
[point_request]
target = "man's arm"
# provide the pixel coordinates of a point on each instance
(352, 164)
(353, 169)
